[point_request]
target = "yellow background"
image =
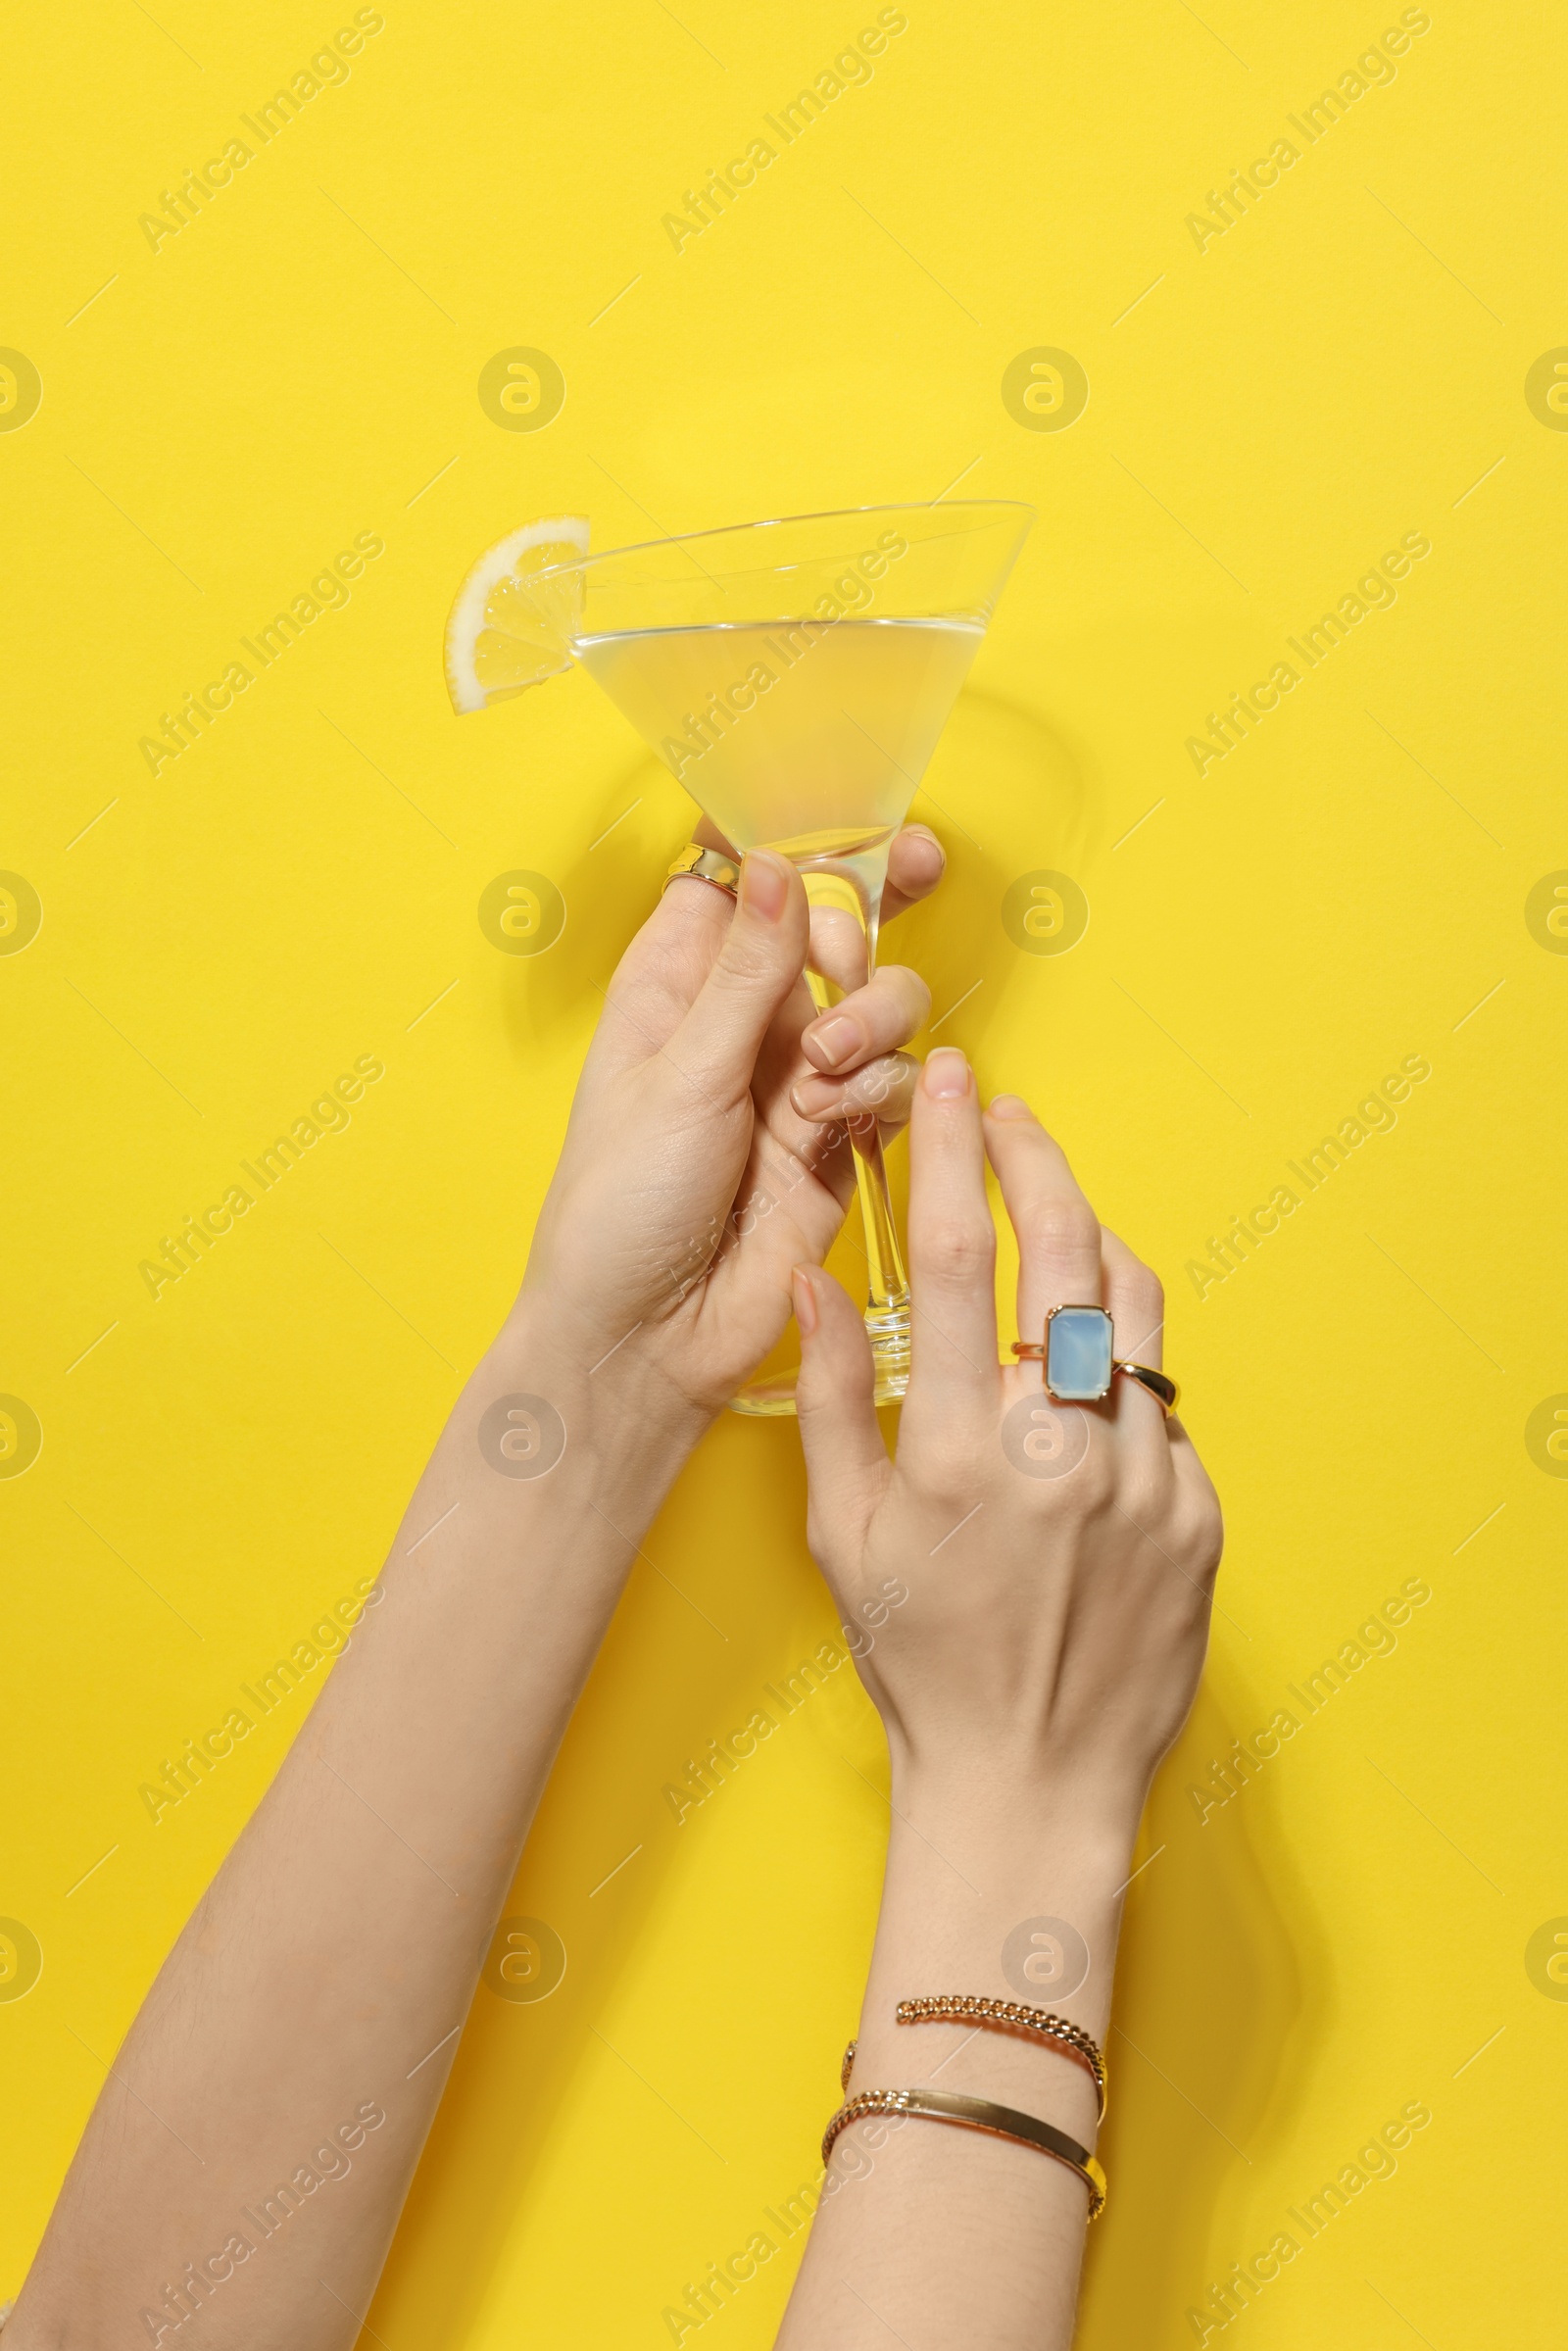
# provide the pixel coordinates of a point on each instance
(299, 364)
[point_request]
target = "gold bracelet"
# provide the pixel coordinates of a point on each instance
(971, 2008)
(975, 2114)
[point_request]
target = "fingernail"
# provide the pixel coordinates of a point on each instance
(803, 1297)
(1011, 1105)
(832, 1042)
(764, 884)
(947, 1074)
(930, 856)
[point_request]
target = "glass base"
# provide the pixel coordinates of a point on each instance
(887, 1327)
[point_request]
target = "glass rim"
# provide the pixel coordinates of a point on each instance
(840, 514)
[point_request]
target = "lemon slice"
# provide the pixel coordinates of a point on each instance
(504, 634)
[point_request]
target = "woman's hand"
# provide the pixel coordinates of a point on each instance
(1058, 1558)
(706, 1153)
(322, 1984)
(1026, 1586)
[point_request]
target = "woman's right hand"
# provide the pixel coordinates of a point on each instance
(1026, 1587)
(1057, 1560)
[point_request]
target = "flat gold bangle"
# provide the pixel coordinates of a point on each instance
(975, 2114)
(1008, 2015)
(705, 865)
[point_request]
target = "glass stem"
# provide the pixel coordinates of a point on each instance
(887, 1283)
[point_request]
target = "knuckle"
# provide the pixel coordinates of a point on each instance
(1061, 1228)
(907, 997)
(958, 1249)
(1144, 1496)
(1206, 1535)
(877, 1084)
(1193, 1534)
(1150, 1292)
(948, 1478)
(740, 963)
(936, 1441)
(1146, 1309)
(674, 959)
(1095, 1482)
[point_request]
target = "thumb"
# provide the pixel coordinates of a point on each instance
(845, 1460)
(761, 960)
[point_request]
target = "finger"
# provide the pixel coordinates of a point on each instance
(883, 1015)
(759, 964)
(953, 1243)
(917, 863)
(846, 1459)
(841, 947)
(883, 1089)
(1058, 1232)
(659, 977)
(1135, 1302)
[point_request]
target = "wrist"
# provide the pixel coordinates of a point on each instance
(625, 1425)
(1009, 1805)
(1020, 1852)
(1012, 1890)
(1011, 1893)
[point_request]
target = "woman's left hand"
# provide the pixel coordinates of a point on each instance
(707, 1152)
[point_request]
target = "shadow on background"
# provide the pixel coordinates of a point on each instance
(1036, 794)
(675, 1672)
(1213, 1999)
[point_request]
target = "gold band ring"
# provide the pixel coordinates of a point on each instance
(709, 865)
(1162, 1389)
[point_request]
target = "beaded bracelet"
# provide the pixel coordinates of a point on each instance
(1007, 2016)
(971, 2008)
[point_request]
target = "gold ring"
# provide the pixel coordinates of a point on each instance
(1160, 1386)
(709, 865)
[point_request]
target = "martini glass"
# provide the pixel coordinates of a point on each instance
(794, 676)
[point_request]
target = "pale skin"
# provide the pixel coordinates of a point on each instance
(1028, 1690)
(330, 1965)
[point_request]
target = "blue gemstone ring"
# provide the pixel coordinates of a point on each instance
(1079, 1354)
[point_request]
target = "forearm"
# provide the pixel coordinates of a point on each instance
(328, 1971)
(927, 2231)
